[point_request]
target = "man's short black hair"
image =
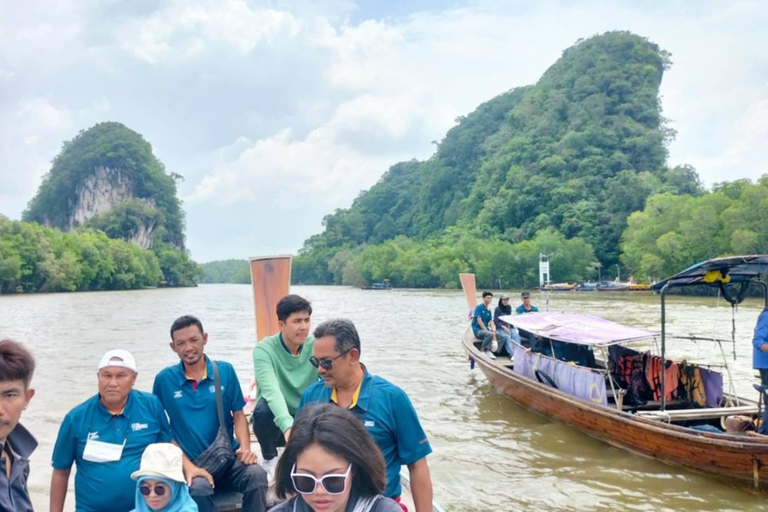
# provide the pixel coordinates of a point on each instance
(487, 293)
(343, 331)
(291, 304)
(16, 363)
(185, 321)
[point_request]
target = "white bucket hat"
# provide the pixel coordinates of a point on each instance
(118, 357)
(161, 460)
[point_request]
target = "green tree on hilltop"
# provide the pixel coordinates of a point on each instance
(574, 154)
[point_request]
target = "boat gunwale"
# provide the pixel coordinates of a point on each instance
(732, 441)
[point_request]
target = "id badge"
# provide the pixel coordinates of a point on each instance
(99, 451)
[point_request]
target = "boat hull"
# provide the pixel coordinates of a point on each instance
(742, 458)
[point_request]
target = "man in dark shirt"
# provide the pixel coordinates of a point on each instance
(526, 306)
(483, 326)
(16, 443)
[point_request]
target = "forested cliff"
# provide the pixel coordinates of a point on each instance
(105, 217)
(556, 167)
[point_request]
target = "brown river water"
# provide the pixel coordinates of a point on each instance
(489, 454)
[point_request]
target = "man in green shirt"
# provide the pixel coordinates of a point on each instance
(283, 372)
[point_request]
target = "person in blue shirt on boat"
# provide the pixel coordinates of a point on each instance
(482, 325)
(16, 443)
(505, 332)
(385, 409)
(105, 437)
(526, 306)
(760, 347)
(188, 393)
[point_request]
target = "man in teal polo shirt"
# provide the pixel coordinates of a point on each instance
(385, 409)
(188, 394)
(105, 437)
(283, 372)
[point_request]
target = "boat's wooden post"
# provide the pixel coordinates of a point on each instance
(271, 279)
(663, 347)
(756, 472)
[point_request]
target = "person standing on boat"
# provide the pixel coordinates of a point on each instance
(16, 443)
(188, 393)
(526, 306)
(482, 325)
(385, 409)
(283, 372)
(760, 347)
(504, 331)
(105, 437)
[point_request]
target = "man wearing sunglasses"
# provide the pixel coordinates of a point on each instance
(385, 409)
(283, 372)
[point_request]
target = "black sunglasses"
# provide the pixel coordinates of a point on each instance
(325, 364)
(159, 490)
(306, 484)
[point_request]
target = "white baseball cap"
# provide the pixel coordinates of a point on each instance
(118, 357)
(161, 460)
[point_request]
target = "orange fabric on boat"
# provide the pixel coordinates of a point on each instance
(671, 378)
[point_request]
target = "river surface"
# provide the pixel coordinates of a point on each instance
(489, 454)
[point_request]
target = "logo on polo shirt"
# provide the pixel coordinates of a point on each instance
(369, 423)
(138, 426)
(212, 389)
(92, 436)
(177, 394)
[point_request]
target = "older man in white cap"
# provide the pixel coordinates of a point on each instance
(105, 437)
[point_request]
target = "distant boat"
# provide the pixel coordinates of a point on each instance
(383, 285)
(558, 287)
(612, 286)
(586, 287)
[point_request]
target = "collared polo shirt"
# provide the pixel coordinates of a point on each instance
(13, 491)
(521, 309)
(482, 312)
(107, 486)
(389, 417)
(191, 405)
(280, 335)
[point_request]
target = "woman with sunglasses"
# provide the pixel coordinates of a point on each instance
(332, 465)
(161, 486)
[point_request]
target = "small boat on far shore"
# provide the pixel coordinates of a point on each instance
(558, 287)
(612, 286)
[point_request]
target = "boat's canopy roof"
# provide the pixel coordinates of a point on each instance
(578, 329)
(732, 269)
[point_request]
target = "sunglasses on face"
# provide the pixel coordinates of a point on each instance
(146, 489)
(325, 364)
(306, 484)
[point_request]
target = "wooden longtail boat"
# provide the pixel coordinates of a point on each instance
(558, 287)
(669, 430)
(271, 278)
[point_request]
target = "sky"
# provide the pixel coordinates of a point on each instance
(278, 113)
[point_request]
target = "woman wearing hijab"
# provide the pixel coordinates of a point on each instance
(160, 481)
(332, 465)
(504, 331)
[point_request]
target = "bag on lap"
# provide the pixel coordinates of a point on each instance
(219, 456)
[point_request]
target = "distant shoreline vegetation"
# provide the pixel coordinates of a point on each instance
(36, 259)
(105, 217)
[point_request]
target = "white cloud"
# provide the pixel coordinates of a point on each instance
(301, 104)
(183, 30)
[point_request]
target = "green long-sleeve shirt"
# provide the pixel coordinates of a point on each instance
(282, 377)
